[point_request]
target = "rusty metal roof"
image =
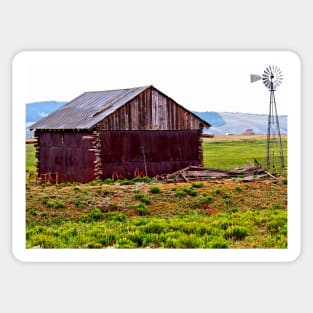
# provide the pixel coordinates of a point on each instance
(88, 109)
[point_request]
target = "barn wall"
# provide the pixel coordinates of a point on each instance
(69, 156)
(151, 110)
(125, 153)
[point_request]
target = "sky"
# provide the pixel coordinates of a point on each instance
(199, 80)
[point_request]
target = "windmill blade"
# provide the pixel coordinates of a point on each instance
(255, 78)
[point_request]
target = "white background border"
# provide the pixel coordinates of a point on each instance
(156, 287)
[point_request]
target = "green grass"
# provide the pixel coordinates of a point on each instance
(225, 230)
(31, 160)
(231, 154)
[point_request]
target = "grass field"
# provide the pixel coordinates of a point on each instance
(132, 214)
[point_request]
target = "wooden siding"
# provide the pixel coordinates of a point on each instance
(69, 156)
(151, 110)
(131, 153)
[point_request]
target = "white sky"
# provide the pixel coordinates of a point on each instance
(200, 81)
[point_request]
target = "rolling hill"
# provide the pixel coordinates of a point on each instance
(222, 122)
(238, 123)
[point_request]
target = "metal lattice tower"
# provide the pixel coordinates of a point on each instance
(272, 78)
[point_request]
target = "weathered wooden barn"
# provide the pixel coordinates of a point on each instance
(118, 133)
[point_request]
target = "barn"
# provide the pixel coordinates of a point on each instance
(118, 134)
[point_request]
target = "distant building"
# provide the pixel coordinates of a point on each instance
(249, 131)
(118, 133)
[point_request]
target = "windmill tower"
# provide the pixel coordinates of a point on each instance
(272, 78)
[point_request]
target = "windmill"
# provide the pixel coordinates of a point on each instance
(272, 78)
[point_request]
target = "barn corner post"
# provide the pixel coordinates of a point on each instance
(96, 143)
(37, 153)
(200, 145)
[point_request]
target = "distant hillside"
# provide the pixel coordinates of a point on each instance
(222, 122)
(238, 123)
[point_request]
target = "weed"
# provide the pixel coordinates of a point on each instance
(124, 243)
(219, 243)
(85, 218)
(236, 232)
(155, 189)
(125, 182)
(45, 199)
(228, 203)
(277, 224)
(217, 191)
(94, 245)
(96, 215)
(141, 197)
(116, 216)
(78, 203)
(32, 211)
(108, 181)
(179, 193)
(51, 204)
(96, 182)
(139, 179)
(155, 226)
(277, 206)
(141, 209)
(59, 204)
(197, 185)
(238, 188)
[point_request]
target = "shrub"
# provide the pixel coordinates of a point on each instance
(228, 202)
(45, 199)
(217, 191)
(142, 210)
(96, 182)
(116, 216)
(85, 218)
(96, 215)
(236, 232)
(179, 193)
(78, 203)
(139, 179)
(108, 181)
(94, 245)
(156, 227)
(277, 206)
(51, 204)
(141, 197)
(189, 241)
(219, 243)
(197, 185)
(124, 243)
(238, 188)
(208, 199)
(275, 225)
(155, 189)
(59, 204)
(32, 211)
(125, 182)
(189, 191)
